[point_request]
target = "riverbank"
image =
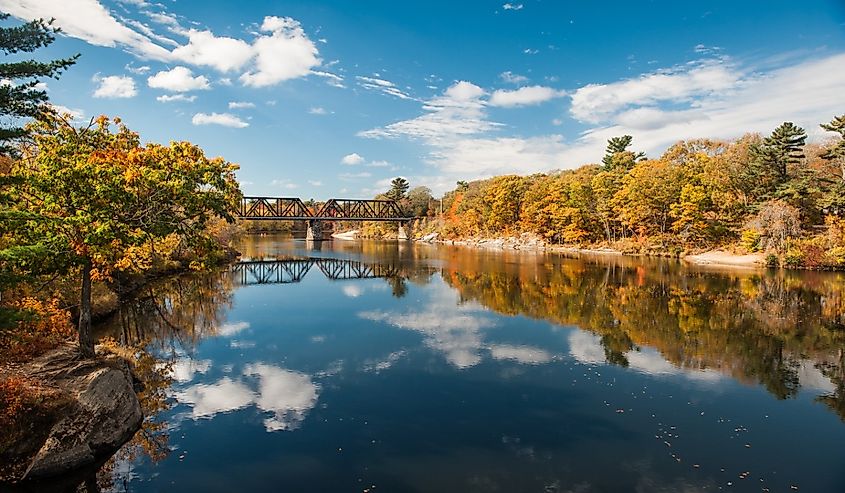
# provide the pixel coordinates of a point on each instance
(529, 242)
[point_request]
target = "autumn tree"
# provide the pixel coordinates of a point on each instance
(503, 199)
(644, 201)
(419, 199)
(777, 223)
(23, 95)
(86, 197)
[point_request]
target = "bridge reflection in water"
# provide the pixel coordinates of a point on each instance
(293, 270)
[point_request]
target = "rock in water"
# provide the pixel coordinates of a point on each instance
(102, 414)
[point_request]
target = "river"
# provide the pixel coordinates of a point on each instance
(385, 366)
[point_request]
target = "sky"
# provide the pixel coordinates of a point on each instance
(333, 99)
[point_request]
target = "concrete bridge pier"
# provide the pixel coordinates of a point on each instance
(405, 230)
(314, 231)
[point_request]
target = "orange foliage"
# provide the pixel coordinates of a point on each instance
(17, 395)
(44, 327)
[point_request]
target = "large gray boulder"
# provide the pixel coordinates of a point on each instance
(101, 414)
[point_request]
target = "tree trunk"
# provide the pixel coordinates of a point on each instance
(86, 338)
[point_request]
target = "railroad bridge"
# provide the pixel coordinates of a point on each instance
(294, 209)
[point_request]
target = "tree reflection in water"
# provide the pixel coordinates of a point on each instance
(756, 326)
(766, 327)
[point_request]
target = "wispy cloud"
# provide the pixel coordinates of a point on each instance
(382, 85)
(715, 98)
(169, 98)
(524, 96)
(223, 119)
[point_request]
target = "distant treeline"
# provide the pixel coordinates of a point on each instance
(772, 194)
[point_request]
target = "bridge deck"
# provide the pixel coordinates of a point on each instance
(294, 209)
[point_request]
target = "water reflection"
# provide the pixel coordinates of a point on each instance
(780, 329)
(471, 363)
(286, 394)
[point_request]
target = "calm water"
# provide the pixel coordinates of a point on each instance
(399, 367)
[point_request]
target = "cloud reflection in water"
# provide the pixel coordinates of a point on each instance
(288, 395)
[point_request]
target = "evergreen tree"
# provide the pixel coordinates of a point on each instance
(617, 153)
(21, 95)
(398, 187)
(837, 151)
(784, 147)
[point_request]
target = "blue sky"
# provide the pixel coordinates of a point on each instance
(335, 98)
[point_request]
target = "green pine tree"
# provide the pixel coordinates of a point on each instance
(784, 147)
(837, 151)
(398, 188)
(21, 95)
(617, 153)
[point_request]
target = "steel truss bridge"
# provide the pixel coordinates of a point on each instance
(288, 271)
(293, 209)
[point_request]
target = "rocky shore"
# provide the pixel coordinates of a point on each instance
(530, 242)
(88, 411)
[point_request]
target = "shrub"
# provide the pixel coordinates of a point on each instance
(43, 326)
(772, 260)
(750, 240)
(794, 257)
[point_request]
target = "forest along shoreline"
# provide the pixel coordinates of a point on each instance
(734, 202)
(528, 242)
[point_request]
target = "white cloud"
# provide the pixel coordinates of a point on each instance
(379, 164)
(383, 86)
(512, 78)
(512, 6)
(143, 69)
(220, 52)
(224, 119)
(317, 110)
(524, 96)
(115, 86)
(315, 183)
(286, 53)
(169, 98)
(658, 109)
(178, 79)
(459, 111)
(88, 20)
(76, 114)
(352, 159)
(234, 105)
(595, 103)
(332, 79)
